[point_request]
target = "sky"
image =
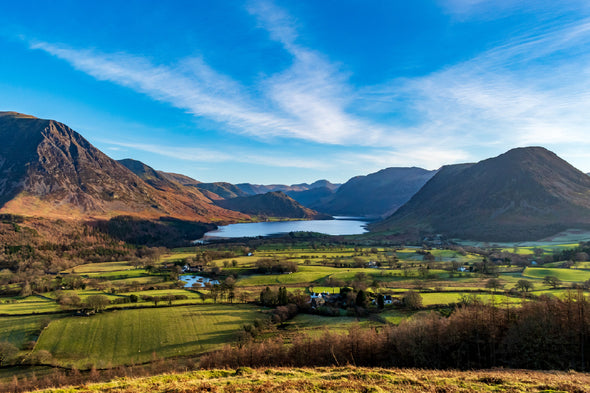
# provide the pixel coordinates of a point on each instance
(287, 92)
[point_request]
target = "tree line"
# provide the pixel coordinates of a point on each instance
(548, 333)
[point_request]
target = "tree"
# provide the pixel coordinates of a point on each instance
(494, 284)
(97, 302)
(524, 285)
(283, 296)
(361, 299)
(412, 300)
(552, 281)
(380, 301)
(8, 352)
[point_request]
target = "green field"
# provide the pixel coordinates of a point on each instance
(570, 275)
(123, 337)
(101, 267)
(28, 305)
(21, 329)
(316, 325)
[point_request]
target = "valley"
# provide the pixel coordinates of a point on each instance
(96, 255)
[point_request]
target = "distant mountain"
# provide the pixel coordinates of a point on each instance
(311, 197)
(524, 194)
(254, 189)
(271, 204)
(49, 170)
(376, 194)
(221, 190)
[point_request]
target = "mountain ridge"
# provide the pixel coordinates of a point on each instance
(524, 194)
(50, 170)
(375, 195)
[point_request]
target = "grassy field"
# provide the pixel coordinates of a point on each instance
(315, 325)
(347, 379)
(191, 327)
(21, 329)
(129, 336)
(28, 305)
(96, 268)
(570, 275)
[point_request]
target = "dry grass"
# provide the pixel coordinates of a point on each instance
(347, 379)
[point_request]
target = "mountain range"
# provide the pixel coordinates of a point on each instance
(49, 170)
(375, 195)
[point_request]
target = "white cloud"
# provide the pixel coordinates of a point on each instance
(228, 154)
(307, 101)
(523, 92)
(487, 101)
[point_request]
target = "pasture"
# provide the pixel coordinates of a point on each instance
(136, 336)
(570, 275)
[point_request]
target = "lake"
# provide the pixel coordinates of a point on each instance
(337, 226)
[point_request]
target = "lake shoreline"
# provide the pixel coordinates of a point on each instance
(338, 226)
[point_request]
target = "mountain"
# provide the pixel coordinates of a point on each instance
(376, 194)
(271, 204)
(524, 194)
(50, 170)
(255, 189)
(180, 179)
(311, 197)
(221, 190)
(149, 175)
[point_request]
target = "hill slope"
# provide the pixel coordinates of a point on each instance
(524, 194)
(50, 170)
(271, 204)
(376, 194)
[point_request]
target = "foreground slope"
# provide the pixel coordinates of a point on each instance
(376, 194)
(524, 194)
(49, 170)
(347, 379)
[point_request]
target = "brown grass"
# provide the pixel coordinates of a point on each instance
(348, 379)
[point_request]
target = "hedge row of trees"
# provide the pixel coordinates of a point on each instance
(549, 333)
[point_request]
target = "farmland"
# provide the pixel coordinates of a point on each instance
(148, 313)
(137, 335)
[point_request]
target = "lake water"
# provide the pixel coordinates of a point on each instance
(337, 226)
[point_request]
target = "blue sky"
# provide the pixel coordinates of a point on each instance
(294, 91)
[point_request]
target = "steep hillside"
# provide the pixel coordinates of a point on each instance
(377, 194)
(271, 204)
(311, 197)
(524, 194)
(50, 170)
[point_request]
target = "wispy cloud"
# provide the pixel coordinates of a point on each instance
(228, 154)
(520, 93)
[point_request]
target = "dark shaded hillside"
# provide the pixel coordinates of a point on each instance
(524, 194)
(271, 204)
(376, 194)
(311, 197)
